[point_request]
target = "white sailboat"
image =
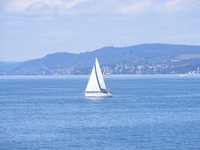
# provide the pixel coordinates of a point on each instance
(96, 86)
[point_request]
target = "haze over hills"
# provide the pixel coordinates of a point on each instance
(139, 59)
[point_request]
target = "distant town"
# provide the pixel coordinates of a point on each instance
(150, 69)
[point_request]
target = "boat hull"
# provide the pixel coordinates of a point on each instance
(98, 95)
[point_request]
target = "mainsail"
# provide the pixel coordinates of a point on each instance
(100, 76)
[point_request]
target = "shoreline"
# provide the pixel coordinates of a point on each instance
(105, 76)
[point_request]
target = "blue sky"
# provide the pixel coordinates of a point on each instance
(33, 28)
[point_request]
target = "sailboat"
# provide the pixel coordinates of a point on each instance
(96, 87)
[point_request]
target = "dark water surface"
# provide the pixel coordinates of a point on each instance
(146, 113)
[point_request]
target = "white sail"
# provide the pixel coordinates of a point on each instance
(92, 85)
(99, 75)
(96, 87)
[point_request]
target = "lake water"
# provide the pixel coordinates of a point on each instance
(145, 113)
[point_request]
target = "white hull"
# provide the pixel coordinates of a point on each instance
(98, 95)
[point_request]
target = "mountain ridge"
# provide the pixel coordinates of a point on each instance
(139, 59)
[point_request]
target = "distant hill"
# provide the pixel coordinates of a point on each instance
(139, 59)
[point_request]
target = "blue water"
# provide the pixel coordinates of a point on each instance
(146, 113)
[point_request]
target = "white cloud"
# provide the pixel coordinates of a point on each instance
(155, 6)
(171, 6)
(101, 6)
(17, 5)
(58, 6)
(135, 7)
(172, 3)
